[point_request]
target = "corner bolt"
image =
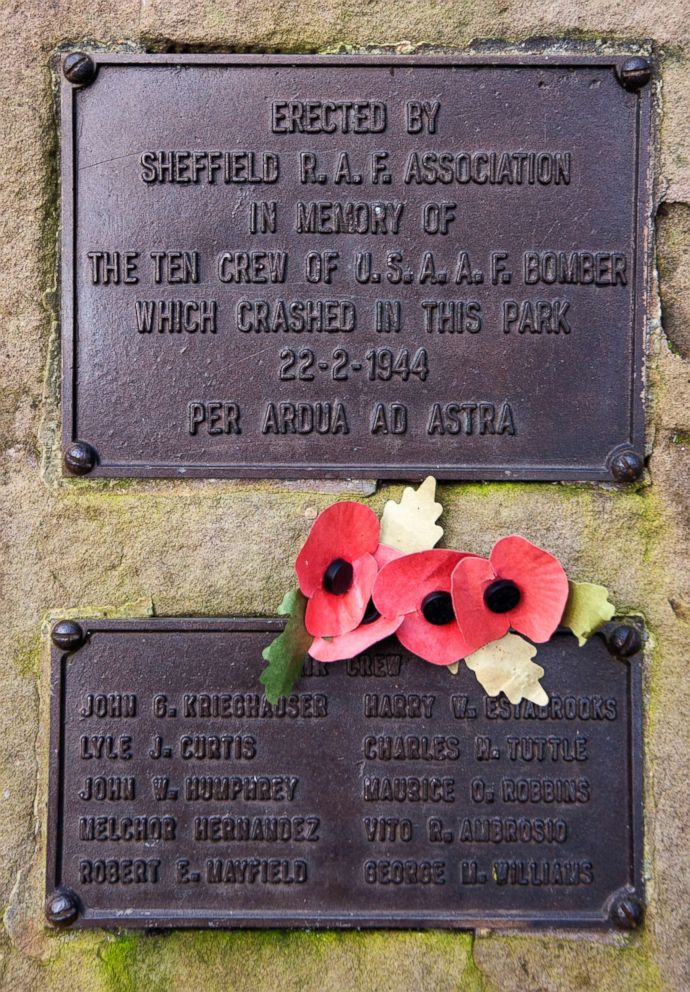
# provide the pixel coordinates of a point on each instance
(626, 466)
(67, 635)
(79, 68)
(625, 640)
(627, 912)
(80, 458)
(635, 72)
(62, 908)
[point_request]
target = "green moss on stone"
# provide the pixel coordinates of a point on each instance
(119, 958)
(27, 656)
(535, 962)
(292, 961)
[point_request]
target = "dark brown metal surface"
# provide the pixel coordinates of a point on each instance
(383, 793)
(468, 237)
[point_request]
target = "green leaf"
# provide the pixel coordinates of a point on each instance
(587, 609)
(285, 655)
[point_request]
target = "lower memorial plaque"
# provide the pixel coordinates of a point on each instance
(383, 793)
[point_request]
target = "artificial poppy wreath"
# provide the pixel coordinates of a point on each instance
(362, 580)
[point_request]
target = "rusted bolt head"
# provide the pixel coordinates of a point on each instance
(79, 68)
(62, 909)
(67, 635)
(625, 640)
(627, 912)
(635, 72)
(626, 466)
(80, 458)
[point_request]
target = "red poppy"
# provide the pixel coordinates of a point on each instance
(520, 586)
(418, 586)
(358, 640)
(372, 629)
(336, 568)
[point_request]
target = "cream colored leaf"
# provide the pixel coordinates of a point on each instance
(454, 668)
(506, 666)
(587, 609)
(410, 525)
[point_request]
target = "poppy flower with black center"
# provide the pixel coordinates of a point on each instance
(519, 587)
(336, 568)
(372, 629)
(418, 588)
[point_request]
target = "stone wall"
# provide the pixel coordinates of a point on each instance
(186, 547)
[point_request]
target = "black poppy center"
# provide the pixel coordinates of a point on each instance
(501, 596)
(437, 608)
(338, 577)
(371, 613)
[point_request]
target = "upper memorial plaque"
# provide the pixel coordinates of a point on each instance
(345, 266)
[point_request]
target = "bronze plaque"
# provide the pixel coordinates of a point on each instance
(337, 266)
(383, 793)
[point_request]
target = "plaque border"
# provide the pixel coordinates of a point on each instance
(527, 471)
(260, 919)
